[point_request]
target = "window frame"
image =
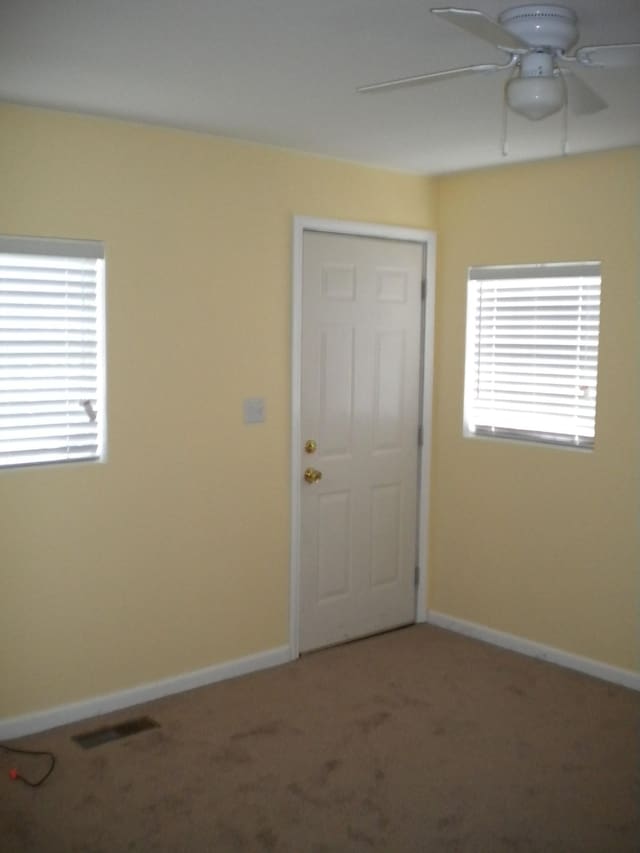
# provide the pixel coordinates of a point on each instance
(73, 249)
(523, 273)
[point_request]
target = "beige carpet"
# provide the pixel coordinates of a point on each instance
(417, 740)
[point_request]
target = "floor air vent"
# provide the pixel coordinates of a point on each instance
(108, 733)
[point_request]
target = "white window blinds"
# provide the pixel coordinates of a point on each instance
(51, 351)
(532, 352)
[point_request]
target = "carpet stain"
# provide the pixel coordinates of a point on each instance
(299, 792)
(231, 756)
(339, 798)
(450, 821)
(89, 800)
(18, 827)
(510, 843)
(230, 838)
(174, 804)
(413, 702)
(518, 691)
(268, 839)
(276, 727)
(369, 806)
(98, 767)
(373, 721)
(620, 827)
(145, 741)
(263, 783)
(357, 835)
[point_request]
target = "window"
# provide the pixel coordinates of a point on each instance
(52, 398)
(532, 352)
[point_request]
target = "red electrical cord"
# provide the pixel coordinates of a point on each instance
(15, 775)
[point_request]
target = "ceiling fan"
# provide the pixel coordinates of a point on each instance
(537, 39)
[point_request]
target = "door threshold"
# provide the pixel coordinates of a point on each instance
(353, 640)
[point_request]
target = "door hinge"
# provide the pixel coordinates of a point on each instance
(416, 578)
(423, 289)
(420, 436)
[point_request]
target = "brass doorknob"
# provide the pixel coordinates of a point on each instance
(312, 475)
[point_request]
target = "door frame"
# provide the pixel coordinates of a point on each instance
(427, 240)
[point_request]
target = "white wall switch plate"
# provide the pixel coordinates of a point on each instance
(254, 410)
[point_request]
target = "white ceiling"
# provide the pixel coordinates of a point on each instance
(284, 72)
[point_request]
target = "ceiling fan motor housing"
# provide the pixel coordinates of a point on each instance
(537, 63)
(550, 27)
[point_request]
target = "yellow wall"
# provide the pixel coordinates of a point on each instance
(538, 541)
(174, 554)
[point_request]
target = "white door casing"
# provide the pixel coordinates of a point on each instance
(361, 385)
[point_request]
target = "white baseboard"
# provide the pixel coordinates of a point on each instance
(597, 669)
(61, 715)
(27, 724)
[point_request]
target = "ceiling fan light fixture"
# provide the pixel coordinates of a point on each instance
(542, 25)
(535, 98)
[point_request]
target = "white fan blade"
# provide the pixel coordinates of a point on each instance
(478, 24)
(609, 55)
(583, 100)
(432, 77)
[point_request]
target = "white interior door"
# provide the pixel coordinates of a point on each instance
(360, 405)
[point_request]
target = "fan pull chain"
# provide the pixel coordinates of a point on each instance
(565, 117)
(505, 119)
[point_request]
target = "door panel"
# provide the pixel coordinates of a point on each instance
(386, 504)
(360, 394)
(334, 545)
(388, 390)
(337, 354)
